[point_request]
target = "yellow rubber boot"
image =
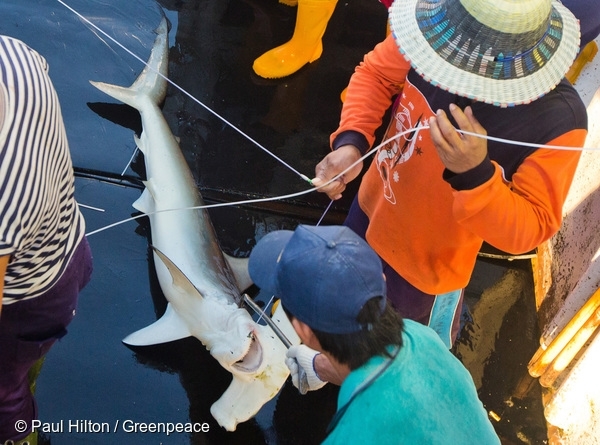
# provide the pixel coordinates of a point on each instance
(586, 55)
(305, 45)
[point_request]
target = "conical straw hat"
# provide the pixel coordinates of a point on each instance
(502, 52)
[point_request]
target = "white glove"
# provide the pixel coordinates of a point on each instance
(301, 356)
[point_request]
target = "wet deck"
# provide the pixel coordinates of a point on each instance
(90, 376)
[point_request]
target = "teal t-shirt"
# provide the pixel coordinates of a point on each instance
(426, 396)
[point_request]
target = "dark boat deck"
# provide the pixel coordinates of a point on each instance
(90, 377)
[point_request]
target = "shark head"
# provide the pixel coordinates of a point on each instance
(232, 337)
(251, 352)
(249, 391)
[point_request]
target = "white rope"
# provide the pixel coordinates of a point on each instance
(324, 213)
(130, 161)
(527, 144)
(97, 209)
(255, 200)
(214, 113)
(304, 177)
(335, 178)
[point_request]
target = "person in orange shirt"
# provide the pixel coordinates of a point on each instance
(437, 189)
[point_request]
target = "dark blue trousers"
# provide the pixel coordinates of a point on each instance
(28, 329)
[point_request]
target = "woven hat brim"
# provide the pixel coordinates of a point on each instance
(501, 92)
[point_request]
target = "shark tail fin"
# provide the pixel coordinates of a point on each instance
(123, 94)
(151, 84)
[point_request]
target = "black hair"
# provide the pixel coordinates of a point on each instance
(380, 331)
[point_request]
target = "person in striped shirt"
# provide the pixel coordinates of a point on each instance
(45, 259)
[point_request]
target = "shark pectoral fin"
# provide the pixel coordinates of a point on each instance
(170, 326)
(180, 280)
(167, 328)
(239, 267)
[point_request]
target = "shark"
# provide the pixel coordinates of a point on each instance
(201, 283)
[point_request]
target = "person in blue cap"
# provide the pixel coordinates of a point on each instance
(399, 382)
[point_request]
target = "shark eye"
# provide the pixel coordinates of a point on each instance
(251, 335)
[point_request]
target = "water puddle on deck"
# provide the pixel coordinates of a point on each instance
(499, 338)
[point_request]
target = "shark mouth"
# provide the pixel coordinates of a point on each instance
(253, 358)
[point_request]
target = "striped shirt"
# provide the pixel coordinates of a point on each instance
(40, 223)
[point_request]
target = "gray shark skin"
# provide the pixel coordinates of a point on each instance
(200, 285)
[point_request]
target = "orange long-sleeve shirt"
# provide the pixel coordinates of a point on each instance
(429, 223)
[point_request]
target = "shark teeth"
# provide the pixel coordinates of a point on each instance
(253, 359)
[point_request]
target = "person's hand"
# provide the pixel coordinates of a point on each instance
(332, 165)
(458, 152)
(303, 356)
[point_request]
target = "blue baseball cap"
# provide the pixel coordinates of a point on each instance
(323, 275)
